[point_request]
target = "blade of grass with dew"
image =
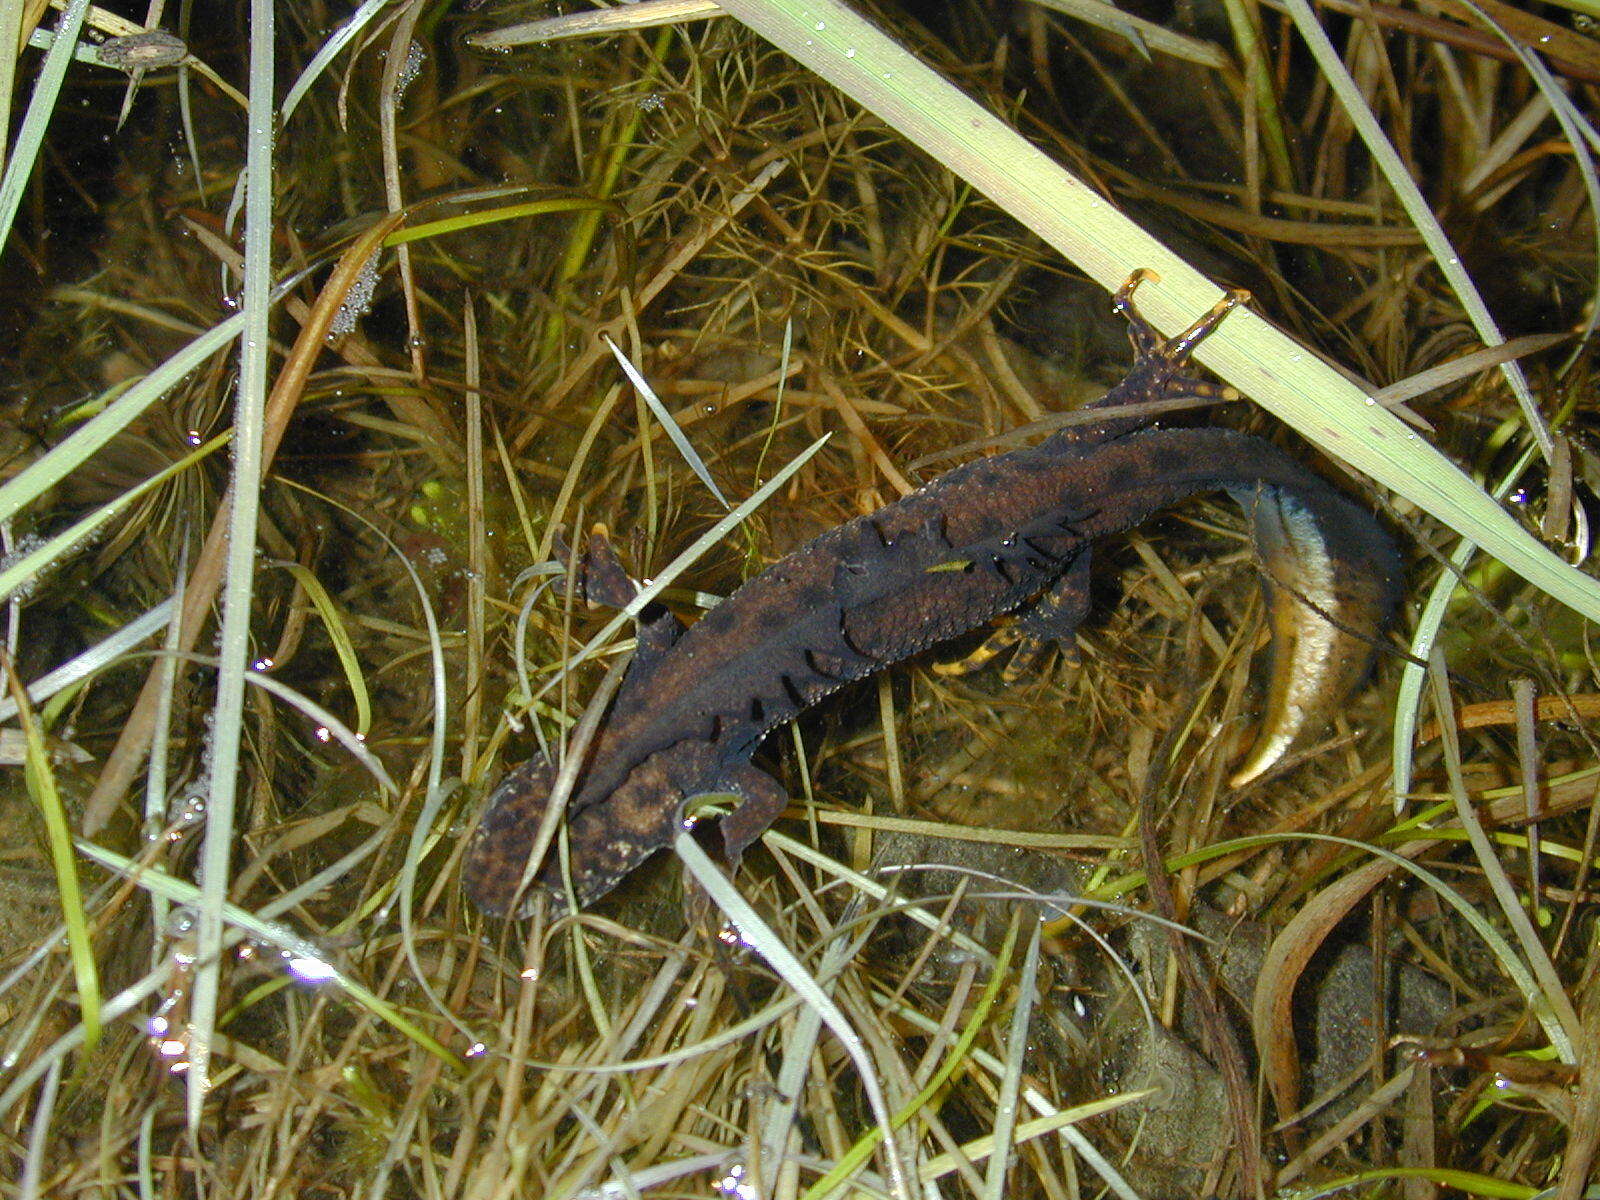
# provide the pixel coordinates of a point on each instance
(191, 140)
(1470, 1182)
(1557, 1002)
(1424, 636)
(28, 1070)
(882, 823)
(22, 571)
(339, 638)
(650, 1008)
(155, 778)
(1413, 675)
(542, 575)
(896, 1006)
(673, 430)
(859, 59)
(1581, 135)
(725, 1036)
(1504, 953)
(227, 728)
(779, 1122)
(330, 49)
(326, 721)
(642, 14)
(785, 357)
(677, 260)
(1589, 8)
(394, 82)
(871, 887)
(10, 55)
(41, 785)
(34, 1158)
(477, 549)
(1137, 31)
(133, 740)
(623, 133)
(569, 483)
(43, 39)
(41, 106)
(1243, 20)
(97, 303)
(308, 962)
(765, 942)
(981, 1148)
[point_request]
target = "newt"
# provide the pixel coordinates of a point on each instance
(1006, 534)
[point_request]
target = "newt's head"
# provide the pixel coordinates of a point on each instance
(606, 839)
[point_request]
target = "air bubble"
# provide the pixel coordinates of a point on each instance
(357, 301)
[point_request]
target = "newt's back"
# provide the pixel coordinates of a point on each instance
(1004, 534)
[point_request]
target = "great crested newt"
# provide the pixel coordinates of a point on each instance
(1007, 534)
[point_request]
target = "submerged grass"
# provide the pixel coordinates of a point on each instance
(456, 272)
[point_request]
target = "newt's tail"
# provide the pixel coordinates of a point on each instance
(1332, 581)
(1331, 572)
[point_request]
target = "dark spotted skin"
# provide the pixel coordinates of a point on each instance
(1010, 533)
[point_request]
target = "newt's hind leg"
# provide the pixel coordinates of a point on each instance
(1006, 634)
(1053, 617)
(597, 571)
(1161, 362)
(1146, 338)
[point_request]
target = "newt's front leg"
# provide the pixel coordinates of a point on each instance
(601, 579)
(1052, 617)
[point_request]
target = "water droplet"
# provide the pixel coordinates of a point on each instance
(307, 969)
